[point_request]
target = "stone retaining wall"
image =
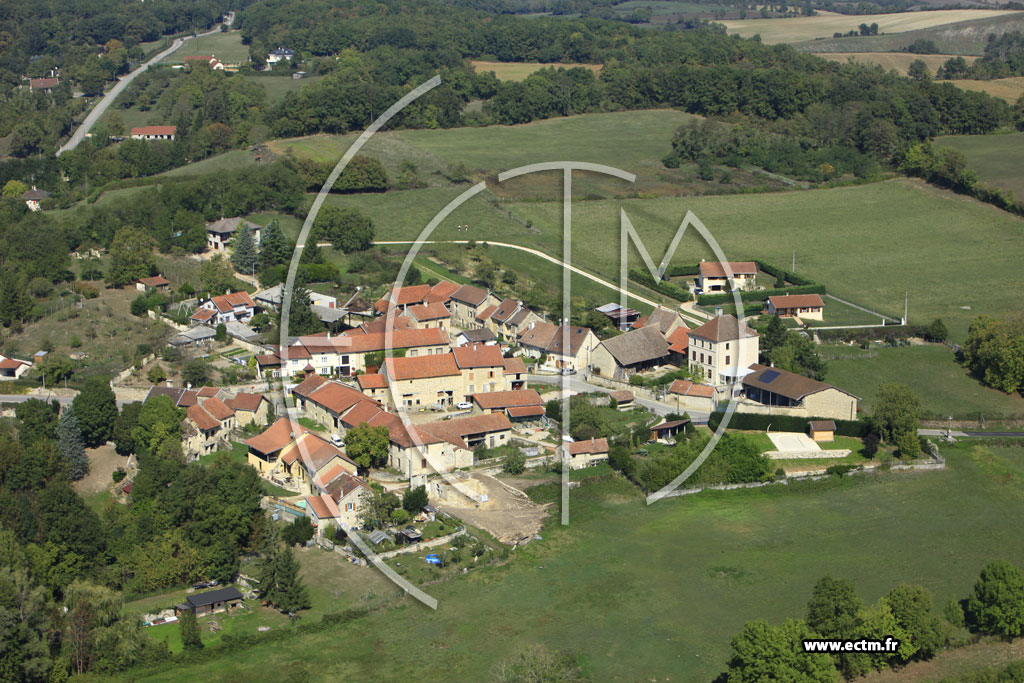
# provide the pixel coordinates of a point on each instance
(423, 545)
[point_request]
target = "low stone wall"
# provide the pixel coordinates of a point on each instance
(423, 545)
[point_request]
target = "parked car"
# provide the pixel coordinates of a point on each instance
(568, 371)
(463, 405)
(336, 440)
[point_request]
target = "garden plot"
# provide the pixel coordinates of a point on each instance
(508, 514)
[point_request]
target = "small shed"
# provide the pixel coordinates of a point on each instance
(377, 537)
(624, 399)
(668, 430)
(822, 430)
(211, 602)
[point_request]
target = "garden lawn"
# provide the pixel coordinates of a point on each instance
(655, 592)
(943, 385)
(227, 47)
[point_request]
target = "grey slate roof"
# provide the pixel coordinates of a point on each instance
(637, 346)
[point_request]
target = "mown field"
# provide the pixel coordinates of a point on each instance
(900, 61)
(227, 47)
(1010, 89)
(958, 38)
(518, 71)
(797, 29)
(995, 158)
(945, 388)
(655, 592)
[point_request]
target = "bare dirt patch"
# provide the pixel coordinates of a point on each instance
(508, 515)
(994, 654)
(102, 463)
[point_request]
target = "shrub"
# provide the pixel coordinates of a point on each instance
(118, 474)
(514, 462)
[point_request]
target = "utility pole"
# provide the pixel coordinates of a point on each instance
(793, 269)
(906, 306)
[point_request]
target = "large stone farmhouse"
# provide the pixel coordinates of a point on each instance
(773, 391)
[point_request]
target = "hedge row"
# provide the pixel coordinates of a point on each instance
(786, 423)
(660, 286)
(683, 270)
(762, 295)
(798, 280)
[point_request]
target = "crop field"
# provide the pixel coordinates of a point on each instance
(227, 47)
(518, 71)
(945, 388)
(611, 587)
(1010, 89)
(797, 29)
(995, 158)
(900, 61)
(669, 8)
(958, 38)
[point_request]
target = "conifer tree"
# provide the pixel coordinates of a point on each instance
(72, 445)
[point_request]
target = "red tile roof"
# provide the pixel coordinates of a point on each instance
(685, 387)
(679, 340)
(486, 313)
(43, 83)
(471, 356)
(214, 406)
(717, 269)
(203, 314)
(525, 411)
(441, 292)
(796, 301)
(157, 281)
(424, 312)
(421, 367)
(337, 398)
(276, 436)
(246, 401)
(374, 381)
(155, 130)
(309, 385)
(455, 431)
(319, 506)
(589, 446)
(514, 366)
(403, 296)
(204, 420)
(229, 302)
(208, 392)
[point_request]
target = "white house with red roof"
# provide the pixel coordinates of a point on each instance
(234, 306)
(12, 368)
(154, 132)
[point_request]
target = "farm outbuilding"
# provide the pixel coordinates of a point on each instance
(210, 602)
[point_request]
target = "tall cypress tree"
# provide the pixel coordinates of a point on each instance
(274, 246)
(190, 638)
(279, 582)
(72, 445)
(301, 319)
(243, 251)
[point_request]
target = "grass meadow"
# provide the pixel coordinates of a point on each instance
(797, 29)
(995, 158)
(945, 387)
(656, 592)
(227, 47)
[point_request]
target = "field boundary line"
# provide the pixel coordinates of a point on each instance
(860, 308)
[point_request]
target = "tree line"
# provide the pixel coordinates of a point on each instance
(762, 651)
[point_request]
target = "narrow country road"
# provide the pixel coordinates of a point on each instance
(535, 252)
(104, 102)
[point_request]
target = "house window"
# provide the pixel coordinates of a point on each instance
(727, 360)
(726, 346)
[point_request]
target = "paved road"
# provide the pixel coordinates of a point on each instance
(582, 387)
(552, 259)
(21, 398)
(104, 102)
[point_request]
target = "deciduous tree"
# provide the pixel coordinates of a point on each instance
(96, 410)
